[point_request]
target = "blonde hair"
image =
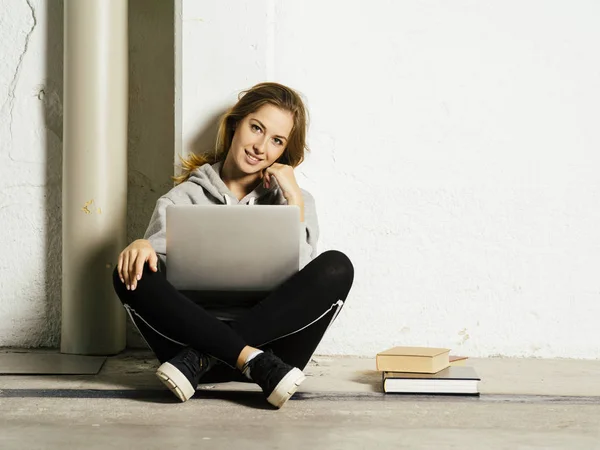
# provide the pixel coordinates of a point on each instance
(250, 101)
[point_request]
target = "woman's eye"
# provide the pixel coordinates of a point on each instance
(278, 141)
(255, 127)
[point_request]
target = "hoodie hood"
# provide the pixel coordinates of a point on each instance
(209, 178)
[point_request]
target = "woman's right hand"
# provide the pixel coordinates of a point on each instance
(132, 260)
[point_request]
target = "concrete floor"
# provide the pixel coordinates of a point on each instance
(525, 404)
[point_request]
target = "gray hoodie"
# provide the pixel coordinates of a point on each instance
(205, 187)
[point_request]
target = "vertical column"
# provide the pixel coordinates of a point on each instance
(94, 174)
(178, 62)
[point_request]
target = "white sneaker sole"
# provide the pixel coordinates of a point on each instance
(175, 381)
(286, 387)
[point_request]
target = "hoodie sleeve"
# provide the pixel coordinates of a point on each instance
(156, 232)
(309, 230)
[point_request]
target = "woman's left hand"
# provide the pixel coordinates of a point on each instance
(286, 179)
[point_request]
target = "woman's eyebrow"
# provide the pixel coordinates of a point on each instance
(262, 125)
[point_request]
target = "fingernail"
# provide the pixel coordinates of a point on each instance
(128, 287)
(139, 276)
(122, 280)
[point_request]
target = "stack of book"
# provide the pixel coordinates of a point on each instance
(426, 370)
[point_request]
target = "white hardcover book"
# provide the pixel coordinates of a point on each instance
(452, 380)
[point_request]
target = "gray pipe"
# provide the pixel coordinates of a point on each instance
(94, 174)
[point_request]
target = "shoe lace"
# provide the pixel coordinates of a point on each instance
(262, 369)
(191, 361)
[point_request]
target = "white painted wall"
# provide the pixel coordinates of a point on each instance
(30, 163)
(455, 158)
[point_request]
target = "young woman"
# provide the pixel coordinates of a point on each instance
(227, 336)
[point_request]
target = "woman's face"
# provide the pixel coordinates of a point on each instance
(260, 139)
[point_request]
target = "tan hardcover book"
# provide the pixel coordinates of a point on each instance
(413, 359)
(458, 360)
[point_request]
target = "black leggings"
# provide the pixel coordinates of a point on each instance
(291, 320)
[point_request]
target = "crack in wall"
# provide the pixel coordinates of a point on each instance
(13, 84)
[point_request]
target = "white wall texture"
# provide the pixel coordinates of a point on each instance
(30, 174)
(455, 157)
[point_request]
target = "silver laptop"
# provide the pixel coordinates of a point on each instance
(236, 247)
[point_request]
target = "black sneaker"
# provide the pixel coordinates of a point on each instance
(277, 379)
(182, 373)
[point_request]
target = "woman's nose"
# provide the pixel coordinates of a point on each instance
(259, 145)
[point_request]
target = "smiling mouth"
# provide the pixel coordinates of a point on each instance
(252, 157)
